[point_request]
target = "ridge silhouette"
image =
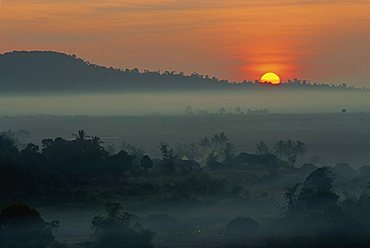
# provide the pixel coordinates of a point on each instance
(49, 71)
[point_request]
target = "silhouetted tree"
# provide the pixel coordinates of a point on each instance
(220, 139)
(205, 143)
(138, 152)
(299, 148)
(81, 135)
(168, 158)
(280, 149)
(119, 165)
(146, 162)
(241, 230)
(223, 138)
(262, 148)
(212, 160)
(118, 229)
(96, 141)
(228, 153)
(23, 227)
(8, 148)
(238, 110)
(290, 150)
(188, 110)
(216, 140)
(10, 168)
(167, 152)
(222, 111)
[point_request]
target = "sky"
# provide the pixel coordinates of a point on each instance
(317, 40)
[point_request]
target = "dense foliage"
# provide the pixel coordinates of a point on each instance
(23, 227)
(81, 171)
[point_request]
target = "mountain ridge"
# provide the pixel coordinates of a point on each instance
(50, 71)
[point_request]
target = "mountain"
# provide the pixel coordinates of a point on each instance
(53, 71)
(48, 71)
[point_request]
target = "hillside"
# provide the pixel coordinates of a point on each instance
(52, 71)
(47, 71)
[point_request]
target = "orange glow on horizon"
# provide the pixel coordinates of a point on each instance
(325, 41)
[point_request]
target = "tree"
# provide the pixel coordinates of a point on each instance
(223, 138)
(119, 164)
(222, 111)
(212, 160)
(300, 148)
(193, 151)
(314, 218)
(23, 227)
(10, 169)
(238, 110)
(7, 146)
(205, 143)
(81, 135)
(167, 153)
(96, 141)
(146, 162)
(118, 229)
(168, 159)
(241, 230)
(220, 139)
(315, 195)
(280, 149)
(216, 140)
(188, 110)
(138, 152)
(262, 148)
(290, 150)
(31, 148)
(292, 196)
(228, 152)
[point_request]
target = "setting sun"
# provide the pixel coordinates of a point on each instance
(270, 77)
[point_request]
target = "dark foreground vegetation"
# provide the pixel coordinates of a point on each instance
(323, 207)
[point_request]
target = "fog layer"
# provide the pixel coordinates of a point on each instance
(291, 101)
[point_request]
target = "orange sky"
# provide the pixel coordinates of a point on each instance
(318, 40)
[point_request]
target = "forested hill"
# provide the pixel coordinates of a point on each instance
(47, 71)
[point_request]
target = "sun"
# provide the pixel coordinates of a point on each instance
(270, 77)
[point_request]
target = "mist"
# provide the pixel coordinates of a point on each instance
(175, 102)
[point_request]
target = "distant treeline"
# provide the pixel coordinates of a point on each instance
(48, 71)
(64, 168)
(83, 170)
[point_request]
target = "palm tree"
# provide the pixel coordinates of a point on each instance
(262, 148)
(222, 111)
(292, 196)
(289, 145)
(205, 143)
(216, 140)
(300, 148)
(280, 149)
(81, 135)
(96, 141)
(228, 152)
(193, 151)
(167, 152)
(223, 138)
